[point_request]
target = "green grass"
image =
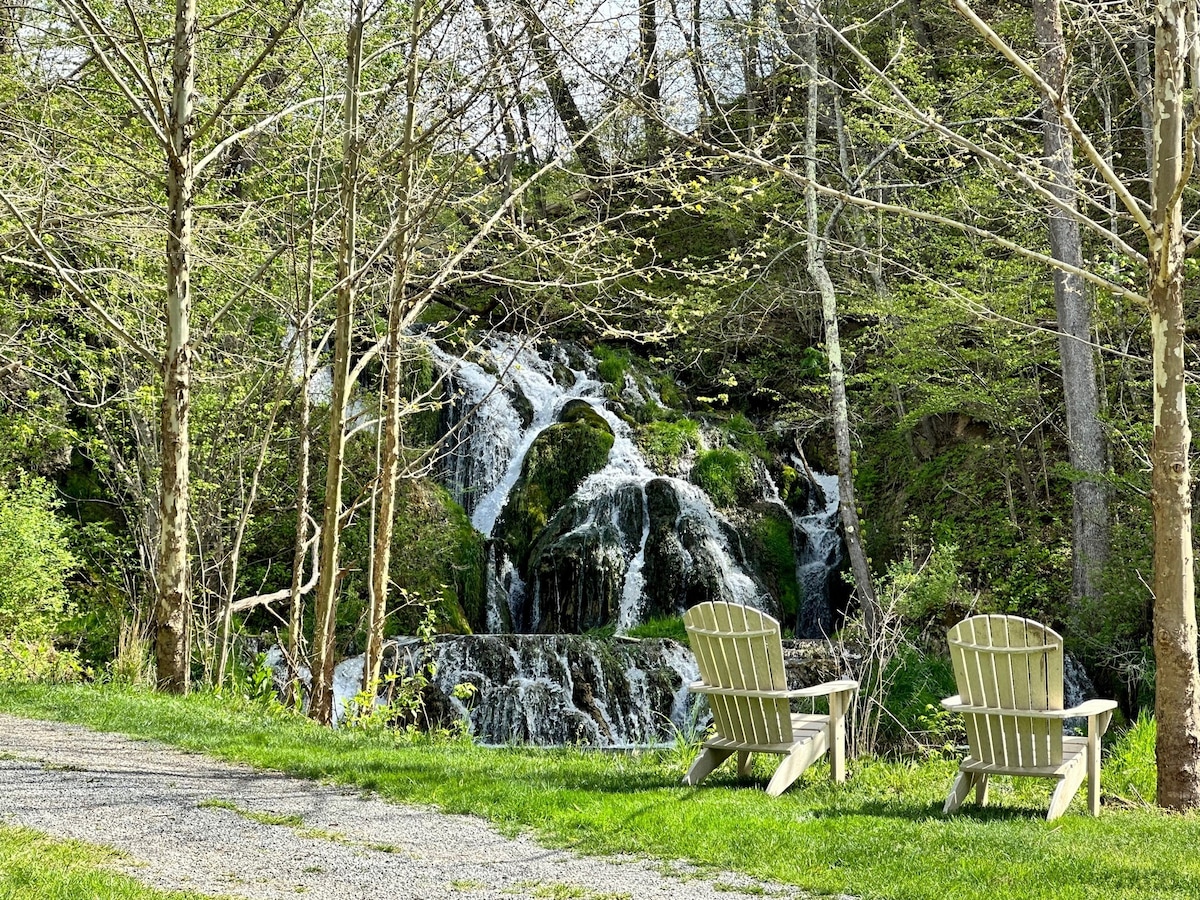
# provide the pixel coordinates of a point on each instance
(253, 815)
(881, 835)
(665, 627)
(35, 866)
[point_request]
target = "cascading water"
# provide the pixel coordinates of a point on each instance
(818, 557)
(623, 527)
(625, 545)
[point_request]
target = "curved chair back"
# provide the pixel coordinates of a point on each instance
(1010, 663)
(739, 647)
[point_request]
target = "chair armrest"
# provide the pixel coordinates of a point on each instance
(826, 688)
(820, 690)
(1087, 708)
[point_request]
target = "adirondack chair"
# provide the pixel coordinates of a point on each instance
(1009, 673)
(741, 670)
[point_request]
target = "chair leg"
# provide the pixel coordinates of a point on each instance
(1068, 786)
(743, 763)
(708, 760)
(958, 791)
(981, 788)
(837, 735)
(793, 766)
(1093, 763)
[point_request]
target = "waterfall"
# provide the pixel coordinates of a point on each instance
(595, 559)
(817, 559)
(484, 462)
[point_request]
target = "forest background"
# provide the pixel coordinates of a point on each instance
(827, 228)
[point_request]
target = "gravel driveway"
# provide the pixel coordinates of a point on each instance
(183, 821)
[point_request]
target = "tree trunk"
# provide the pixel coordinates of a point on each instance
(296, 646)
(171, 615)
(1086, 441)
(321, 701)
(1177, 688)
(839, 408)
(587, 150)
(389, 468)
(650, 84)
(1145, 90)
(750, 67)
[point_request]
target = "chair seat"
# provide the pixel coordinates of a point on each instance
(1074, 751)
(805, 727)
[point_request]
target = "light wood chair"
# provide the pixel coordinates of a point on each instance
(741, 671)
(1009, 673)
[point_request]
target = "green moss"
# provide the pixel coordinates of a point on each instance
(612, 365)
(560, 458)
(437, 554)
(725, 474)
(777, 559)
(665, 443)
(417, 373)
(669, 627)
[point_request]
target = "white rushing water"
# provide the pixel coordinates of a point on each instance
(818, 560)
(506, 393)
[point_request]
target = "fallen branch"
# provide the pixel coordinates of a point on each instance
(247, 603)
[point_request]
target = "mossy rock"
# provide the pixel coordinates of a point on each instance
(767, 535)
(559, 459)
(438, 555)
(665, 443)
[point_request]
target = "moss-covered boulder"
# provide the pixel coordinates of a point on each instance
(692, 556)
(766, 531)
(438, 555)
(580, 561)
(559, 459)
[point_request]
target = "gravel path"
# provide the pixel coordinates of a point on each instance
(169, 811)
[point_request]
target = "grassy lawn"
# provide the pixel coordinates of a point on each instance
(32, 865)
(879, 835)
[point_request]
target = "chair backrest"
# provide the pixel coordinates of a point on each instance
(1006, 662)
(738, 647)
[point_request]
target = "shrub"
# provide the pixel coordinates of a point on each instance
(665, 443)
(33, 593)
(725, 475)
(612, 365)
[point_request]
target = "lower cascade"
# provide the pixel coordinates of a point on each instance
(555, 690)
(546, 690)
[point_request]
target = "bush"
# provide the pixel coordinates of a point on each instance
(612, 365)
(33, 593)
(932, 592)
(725, 475)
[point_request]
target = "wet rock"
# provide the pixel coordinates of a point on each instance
(561, 689)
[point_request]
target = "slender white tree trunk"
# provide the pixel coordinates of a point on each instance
(389, 469)
(838, 405)
(321, 702)
(1177, 688)
(171, 614)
